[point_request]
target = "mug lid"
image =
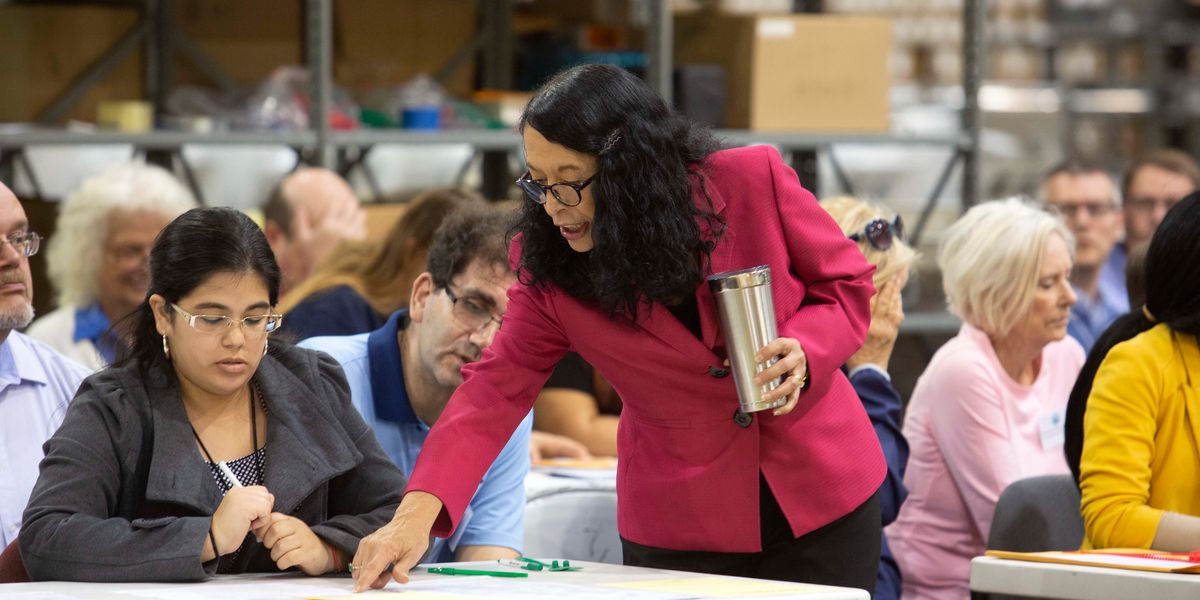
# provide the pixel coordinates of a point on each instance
(743, 278)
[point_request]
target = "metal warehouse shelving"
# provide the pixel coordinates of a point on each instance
(321, 145)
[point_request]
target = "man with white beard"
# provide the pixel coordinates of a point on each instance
(36, 383)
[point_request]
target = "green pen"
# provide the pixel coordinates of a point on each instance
(457, 571)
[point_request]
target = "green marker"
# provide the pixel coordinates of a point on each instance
(456, 571)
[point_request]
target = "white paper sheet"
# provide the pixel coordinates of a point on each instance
(512, 589)
(276, 590)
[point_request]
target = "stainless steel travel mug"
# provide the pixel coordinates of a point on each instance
(748, 322)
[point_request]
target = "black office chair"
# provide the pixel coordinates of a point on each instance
(1035, 515)
(578, 524)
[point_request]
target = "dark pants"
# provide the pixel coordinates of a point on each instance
(843, 553)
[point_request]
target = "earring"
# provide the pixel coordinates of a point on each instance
(266, 344)
(166, 348)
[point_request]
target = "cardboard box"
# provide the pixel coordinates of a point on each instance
(607, 12)
(813, 73)
(381, 217)
(388, 42)
(248, 38)
(45, 48)
(376, 43)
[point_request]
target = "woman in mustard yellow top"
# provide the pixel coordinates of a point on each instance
(1140, 469)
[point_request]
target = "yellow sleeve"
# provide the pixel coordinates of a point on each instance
(1118, 445)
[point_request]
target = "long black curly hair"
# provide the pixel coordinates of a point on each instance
(650, 241)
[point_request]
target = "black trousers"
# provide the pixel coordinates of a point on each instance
(843, 553)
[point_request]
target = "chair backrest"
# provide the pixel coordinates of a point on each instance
(12, 570)
(579, 524)
(1036, 514)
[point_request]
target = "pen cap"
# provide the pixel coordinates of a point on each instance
(747, 312)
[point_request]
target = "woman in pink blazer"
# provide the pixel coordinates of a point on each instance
(629, 208)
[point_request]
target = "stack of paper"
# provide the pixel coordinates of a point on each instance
(1118, 558)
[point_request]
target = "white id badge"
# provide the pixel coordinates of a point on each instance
(1052, 430)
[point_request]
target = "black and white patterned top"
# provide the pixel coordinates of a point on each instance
(247, 470)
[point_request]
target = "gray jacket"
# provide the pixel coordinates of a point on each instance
(125, 495)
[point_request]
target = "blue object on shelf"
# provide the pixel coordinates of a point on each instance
(421, 117)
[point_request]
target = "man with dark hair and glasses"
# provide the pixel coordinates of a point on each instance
(36, 382)
(1087, 198)
(1151, 185)
(402, 375)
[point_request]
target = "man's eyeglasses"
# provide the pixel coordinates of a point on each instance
(252, 324)
(568, 194)
(26, 243)
(1148, 205)
(471, 314)
(881, 233)
(1069, 210)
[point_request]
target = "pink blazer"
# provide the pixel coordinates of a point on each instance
(687, 472)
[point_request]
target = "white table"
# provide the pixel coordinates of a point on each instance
(1075, 582)
(594, 582)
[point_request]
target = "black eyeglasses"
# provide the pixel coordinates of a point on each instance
(470, 313)
(568, 194)
(881, 233)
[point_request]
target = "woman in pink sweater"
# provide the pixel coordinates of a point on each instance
(989, 408)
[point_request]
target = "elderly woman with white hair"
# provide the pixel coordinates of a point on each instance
(97, 258)
(988, 410)
(880, 237)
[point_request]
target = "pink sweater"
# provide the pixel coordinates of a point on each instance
(972, 431)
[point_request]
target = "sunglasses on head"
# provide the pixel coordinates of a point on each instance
(881, 233)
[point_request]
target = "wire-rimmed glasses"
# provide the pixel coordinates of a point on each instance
(251, 324)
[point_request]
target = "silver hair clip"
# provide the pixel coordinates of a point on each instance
(610, 141)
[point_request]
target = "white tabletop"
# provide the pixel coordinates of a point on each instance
(595, 582)
(1074, 582)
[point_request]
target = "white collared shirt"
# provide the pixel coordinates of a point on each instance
(36, 384)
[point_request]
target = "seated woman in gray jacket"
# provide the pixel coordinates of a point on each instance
(208, 449)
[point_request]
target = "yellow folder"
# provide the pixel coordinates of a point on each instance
(1136, 559)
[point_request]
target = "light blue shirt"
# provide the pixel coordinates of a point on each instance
(36, 385)
(496, 514)
(1089, 318)
(1112, 274)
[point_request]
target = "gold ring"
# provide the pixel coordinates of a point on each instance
(353, 566)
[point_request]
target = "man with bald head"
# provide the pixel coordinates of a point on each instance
(36, 383)
(307, 215)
